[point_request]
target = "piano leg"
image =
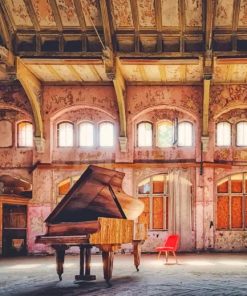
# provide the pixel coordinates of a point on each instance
(107, 256)
(137, 253)
(85, 264)
(60, 253)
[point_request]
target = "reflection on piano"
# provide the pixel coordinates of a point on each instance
(95, 212)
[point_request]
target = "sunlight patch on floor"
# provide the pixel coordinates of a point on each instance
(233, 263)
(24, 266)
(199, 263)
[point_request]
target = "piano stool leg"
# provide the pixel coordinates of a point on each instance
(107, 257)
(60, 254)
(137, 254)
(85, 257)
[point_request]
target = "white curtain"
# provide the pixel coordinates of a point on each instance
(179, 208)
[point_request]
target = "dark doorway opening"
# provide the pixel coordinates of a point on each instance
(14, 230)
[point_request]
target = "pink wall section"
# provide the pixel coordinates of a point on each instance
(36, 226)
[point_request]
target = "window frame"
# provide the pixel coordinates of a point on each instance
(18, 133)
(216, 134)
(231, 194)
(151, 197)
(158, 123)
(113, 134)
(94, 134)
(237, 145)
(192, 134)
(12, 135)
(73, 126)
(137, 134)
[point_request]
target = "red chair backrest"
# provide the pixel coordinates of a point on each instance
(172, 241)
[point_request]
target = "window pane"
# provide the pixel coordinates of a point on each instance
(64, 187)
(223, 186)
(144, 187)
(165, 134)
(5, 133)
(144, 134)
(106, 134)
(144, 217)
(241, 134)
(223, 134)
(65, 134)
(86, 134)
(158, 184)
(25, 134)
(223, 212)
(236, 214)
(158, 212)
(245, 199)
(245, 183)
(237, 183)
(185, 134)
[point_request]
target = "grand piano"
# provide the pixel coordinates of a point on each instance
(95, 212)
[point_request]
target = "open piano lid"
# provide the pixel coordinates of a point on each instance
(90, 197)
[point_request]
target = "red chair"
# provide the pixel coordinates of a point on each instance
(170, 245)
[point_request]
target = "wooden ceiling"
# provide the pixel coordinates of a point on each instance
(155, 41)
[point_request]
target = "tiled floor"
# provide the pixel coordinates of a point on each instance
(196, 274)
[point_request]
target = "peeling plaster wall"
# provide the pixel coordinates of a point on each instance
(155, 103)
(98, 103)
(235, 241)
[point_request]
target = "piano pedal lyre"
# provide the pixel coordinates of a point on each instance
(85, 262)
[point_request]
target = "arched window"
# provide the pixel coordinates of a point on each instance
(6, 133)
(25, 134)
(153, 193)
(223, 134)
(65, 133)
(185, 134)
(241, 133)
(86, 134)
(106, 134)
(231, 202)
(165, 134)
(145, 134)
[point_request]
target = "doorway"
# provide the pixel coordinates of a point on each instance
(14, 230)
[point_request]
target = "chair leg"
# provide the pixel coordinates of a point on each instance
(166, 256)
(174, 254)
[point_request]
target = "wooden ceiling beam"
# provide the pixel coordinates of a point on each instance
(182, 23)
(120, 89)
(113, 72)
(135, 16)
(236, 9)
(56, 15)
(32, 14)
(148, 61)
(208, 19)
(33, 89)
(158, 13)
(79, 13)
(108, 55)
(5, 32)
(7, 57)
(34, 61)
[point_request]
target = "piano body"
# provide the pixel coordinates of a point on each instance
(95, 212)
